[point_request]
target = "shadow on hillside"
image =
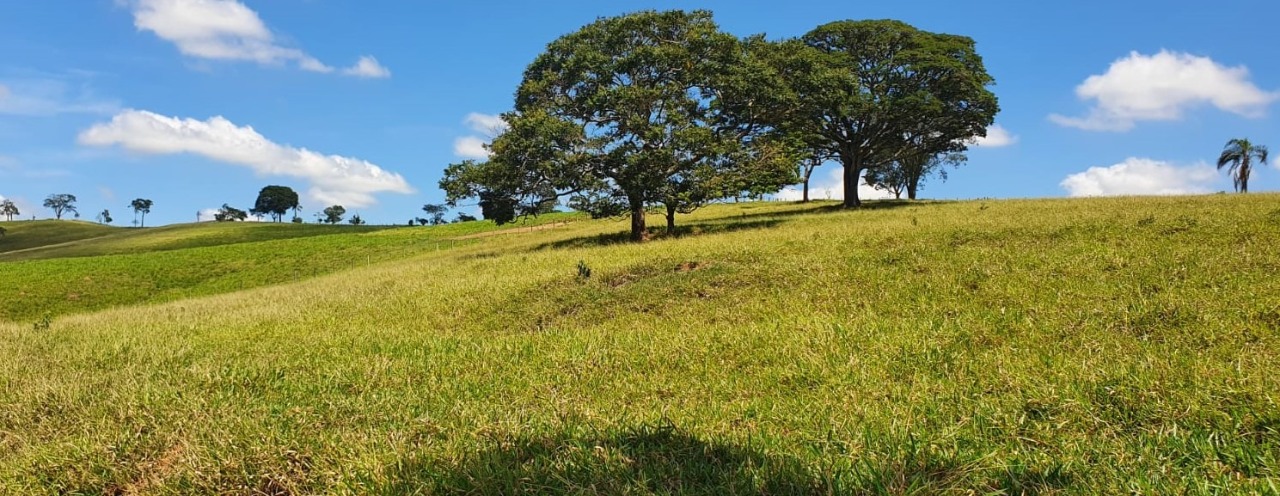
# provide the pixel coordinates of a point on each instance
(660, 233)
(661, 459)
(829, 208)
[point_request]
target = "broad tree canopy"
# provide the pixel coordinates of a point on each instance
(877, 91)
(275, 201)
(655, 107)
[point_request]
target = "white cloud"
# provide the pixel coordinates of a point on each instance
(997, 137)
(470, 147)
(473, 147)
(48, 97)
(229, 30)
(368, 67)
(1142, 176)
(831, 188)
(206, 215)
(333, 179)
(1162, 87)
(489, 124)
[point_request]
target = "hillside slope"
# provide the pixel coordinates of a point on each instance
(31, 234)
(132, 266)
(1036, 346)
(73, 239)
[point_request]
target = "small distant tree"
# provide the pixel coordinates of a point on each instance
(141, 206)
(104, 216)
(807, 167)
(465, 218)
(435, 213)
(333, 214)
(907, 174)
(276, 201)
(1240, 154)
(356, 220)
(8, 209)
(61, 203)
(229, 214)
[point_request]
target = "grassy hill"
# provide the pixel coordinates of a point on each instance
(29, 234)
(1031, 346)
(132, 266)
(62, 239)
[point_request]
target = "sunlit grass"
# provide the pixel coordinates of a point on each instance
(1046, 346)
(163, 264)
(23, 235)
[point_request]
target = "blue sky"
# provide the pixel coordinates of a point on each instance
(196, 103)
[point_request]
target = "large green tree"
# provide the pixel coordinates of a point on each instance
(61, 203)
(868, 93)
(655, 107)
(275, 201)
(9, 209)
(1239, 155)
(141, 206)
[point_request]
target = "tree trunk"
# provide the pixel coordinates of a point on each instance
(638, 232)
(1244, 176)
(852, 174)
(808, 172)
(911, 190)
(671, 219)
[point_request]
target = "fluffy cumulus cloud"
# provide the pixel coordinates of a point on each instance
(472, 147)
(831, 187)
(368, 67)
(1162, 87)
(229, 30)
(997, 137)
(1142, 176)
(333, 179)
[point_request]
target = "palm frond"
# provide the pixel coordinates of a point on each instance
(1228, 156)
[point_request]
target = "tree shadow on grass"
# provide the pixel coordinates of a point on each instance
(660, 233)
(830, 208)
(659, 459)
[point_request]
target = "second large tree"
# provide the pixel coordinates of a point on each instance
(870, 93)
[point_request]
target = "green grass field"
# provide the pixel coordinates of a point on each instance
(1123, 345)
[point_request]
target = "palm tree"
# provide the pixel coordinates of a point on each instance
(1240, 153)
